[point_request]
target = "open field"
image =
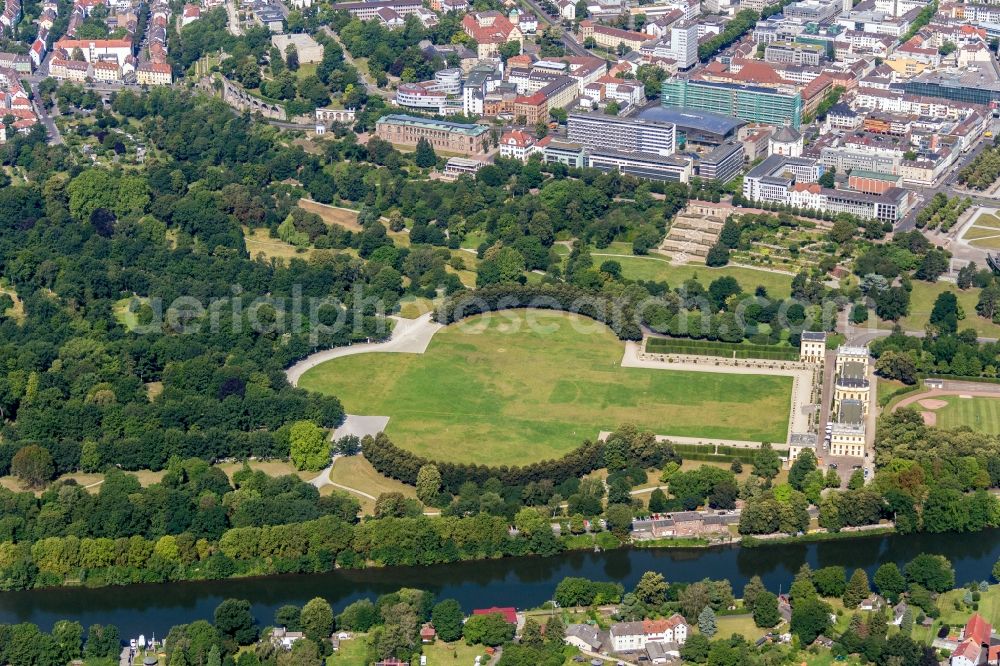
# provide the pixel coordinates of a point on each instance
(523, 386)
(352, 653)
(269, 467)
(922, 302)
(356, 472)
(980, 414)
(984, 232)
(259, 241)
(91, 481)
(778, 285)
(331, 214)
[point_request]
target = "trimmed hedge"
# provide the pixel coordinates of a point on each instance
(619, 315)
(720, 349)
(402, 465)
(714, 453)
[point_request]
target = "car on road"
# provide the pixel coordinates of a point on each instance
(833, 466)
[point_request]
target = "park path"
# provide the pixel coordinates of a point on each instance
(409, 336)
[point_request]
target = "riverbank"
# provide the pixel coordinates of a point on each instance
(522, 582)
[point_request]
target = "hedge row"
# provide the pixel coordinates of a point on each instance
(402, 465)
(712, 453)
(721, 349)
(619, 315)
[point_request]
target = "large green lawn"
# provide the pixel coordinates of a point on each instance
(922, 302)
(980, 414)
(498, 391)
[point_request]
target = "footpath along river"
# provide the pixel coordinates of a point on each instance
(521, 582)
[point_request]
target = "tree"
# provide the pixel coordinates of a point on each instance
(292, 58)
(289, 617)
(651, 589)
(718, 255)
(657, 501)
(810, 618)
(897, 365)
(695, 649)
(857, 589)
(33, 465)
(619, 519)
(69, 636)
(804, 463)
(317, 620)
(830, 581)
(828, 179)
(428, 484)
(424, 156)
(707, 623)
(309, 446)
(945, 314)
(491, 630)
(447, 619)
(766, 462)
(931, 571)
(857, 480)
(765, 610)
(889, 581)
(234, 619)
(303, 653)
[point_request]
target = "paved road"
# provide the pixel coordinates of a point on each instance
(568, 40)
(234, 20)
(55, 138)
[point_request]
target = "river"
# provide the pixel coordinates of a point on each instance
(520, 582)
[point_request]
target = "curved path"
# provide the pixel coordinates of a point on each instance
(980, 391)
(409, 336)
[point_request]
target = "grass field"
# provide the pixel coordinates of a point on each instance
(922, 302)
(980, 414)
(356, 472)
(491, 391)
(345, 217)
(259, 241)
(352, 653)
(778, 285)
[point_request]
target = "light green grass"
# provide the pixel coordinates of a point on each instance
(502, 392)
(778, 285)
(974, 233)
(739, 624)
(352, 653)
(987, 220)
(980, 414)
(992, 243)
(922, 302)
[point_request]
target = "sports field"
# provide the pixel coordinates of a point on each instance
(980, 414)
(497, 390)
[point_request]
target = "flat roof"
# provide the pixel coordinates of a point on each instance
(460, 128)
(704, 121)
(851, 412)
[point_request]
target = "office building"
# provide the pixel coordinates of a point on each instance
(750, 103)
(622, 134)
(721, 164)
(696, 128)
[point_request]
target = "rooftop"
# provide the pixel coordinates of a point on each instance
(444, 125)
(851, 412)
(705, 121)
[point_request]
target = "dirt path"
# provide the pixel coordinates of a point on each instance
(987, 391)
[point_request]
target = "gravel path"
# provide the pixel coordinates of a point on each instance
(409, 336)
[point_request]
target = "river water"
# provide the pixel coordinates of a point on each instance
(520, 582)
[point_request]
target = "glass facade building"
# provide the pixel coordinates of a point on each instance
(750, 103)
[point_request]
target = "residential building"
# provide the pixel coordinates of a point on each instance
(190, 14)
(284, 639)
(631, 636)
(106, 71)
(812, 346)
(71, 70)
(622, 134)
(154, 74)
(18, 62)
(404, 130)
(271, 17)
(772, 179)
(390, 18)
(517, 145)
(534, 108)
(611, 38)
(852, 384)
(98, 49)
(583, 637)
(751, 103)
(978, 646)
(508, 612)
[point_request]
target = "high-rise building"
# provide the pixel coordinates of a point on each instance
(622, 134)
(750, 103)
(684, 43)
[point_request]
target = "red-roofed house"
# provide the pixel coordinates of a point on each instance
(98, 49)
(191, 14)
(975, 643)
(153, 74)
(491, 30)
(508, 613)
(517, 145)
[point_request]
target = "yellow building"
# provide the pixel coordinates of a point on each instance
(847, 437)
(905, 65)
(812, 347)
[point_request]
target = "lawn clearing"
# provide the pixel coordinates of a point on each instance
(356, 472)
(270, 467)
(778, 285)
(259, 241)
(523, 386)
(345, 217)
(980, 414)
(922, 302)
